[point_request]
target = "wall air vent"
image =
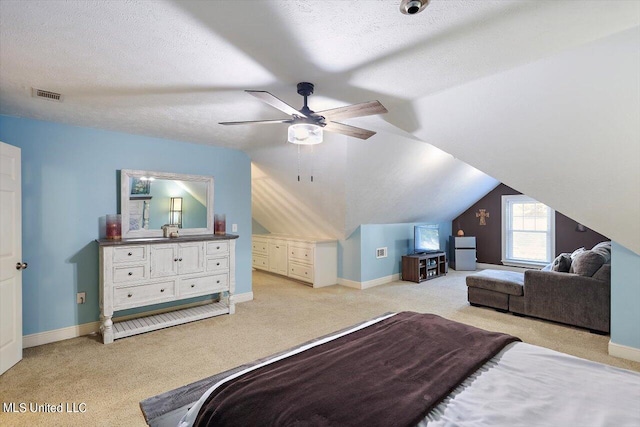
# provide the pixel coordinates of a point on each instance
(381, 253)
(45, 94)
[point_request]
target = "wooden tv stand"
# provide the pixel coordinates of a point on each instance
(420, 267)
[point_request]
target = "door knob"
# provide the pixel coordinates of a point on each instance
(21, 265)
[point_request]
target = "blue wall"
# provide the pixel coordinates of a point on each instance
(357, 254)
(70, 178)
(625, 296)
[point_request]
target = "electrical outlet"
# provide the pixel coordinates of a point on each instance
(81, 297)
(234, 228)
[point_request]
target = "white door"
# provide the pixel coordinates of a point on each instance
(10, 257)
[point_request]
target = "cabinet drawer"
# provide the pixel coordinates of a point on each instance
(204, 285)
(301, 272)
(259, 246)
(302, 253)
(218, 248)
(218, 264)
(129, 273)
(130, 254)
(131, 296)
(260, 261)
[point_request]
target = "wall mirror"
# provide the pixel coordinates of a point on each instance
(149, 200)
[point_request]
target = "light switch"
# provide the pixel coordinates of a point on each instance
(234, 228)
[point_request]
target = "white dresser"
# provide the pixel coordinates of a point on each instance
(142, 272)
(312, 261)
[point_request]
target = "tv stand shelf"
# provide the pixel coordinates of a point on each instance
(420, 267)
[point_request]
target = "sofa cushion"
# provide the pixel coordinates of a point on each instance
(506, 282)
(604, 273)
(562, 263)
(587, 263)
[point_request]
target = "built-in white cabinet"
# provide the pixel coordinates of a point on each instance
(142, 272)
(312, 261)
(278, 258)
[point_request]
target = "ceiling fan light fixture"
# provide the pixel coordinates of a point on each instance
(305, 134)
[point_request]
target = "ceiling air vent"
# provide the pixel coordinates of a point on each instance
(45, 94)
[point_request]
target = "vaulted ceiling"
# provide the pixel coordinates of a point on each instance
(174, 69)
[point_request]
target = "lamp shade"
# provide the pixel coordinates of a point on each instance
(305, 134)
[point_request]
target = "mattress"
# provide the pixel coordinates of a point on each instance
(524, 385)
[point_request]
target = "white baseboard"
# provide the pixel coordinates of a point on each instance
(624, 352)
(369, 283)
(243, 297)
(75, 331)
(47, 337)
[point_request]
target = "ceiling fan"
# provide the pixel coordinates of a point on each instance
(307, 125)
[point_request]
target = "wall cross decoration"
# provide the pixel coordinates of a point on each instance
(482, 214)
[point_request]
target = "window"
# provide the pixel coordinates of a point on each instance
(528, 232)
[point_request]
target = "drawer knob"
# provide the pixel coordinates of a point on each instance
(130, 274)
(193, 286)
(175, 259)
(129, 254)
(217, 263)
(129, 295)
(217, 281)
(162, 290)
(218, 247)
(179, 259)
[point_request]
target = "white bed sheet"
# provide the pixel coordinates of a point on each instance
(523, 385)
(526, 385)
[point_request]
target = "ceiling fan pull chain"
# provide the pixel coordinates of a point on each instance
(298, 163)
(312, 163)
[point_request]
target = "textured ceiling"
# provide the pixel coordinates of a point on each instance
(173, 69)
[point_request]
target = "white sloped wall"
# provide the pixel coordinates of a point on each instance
(564, 130)
(387, 179)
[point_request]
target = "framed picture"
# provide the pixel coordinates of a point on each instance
(139, 186)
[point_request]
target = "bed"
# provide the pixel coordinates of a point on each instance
(477, 378)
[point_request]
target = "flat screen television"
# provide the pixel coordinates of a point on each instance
(425, 239)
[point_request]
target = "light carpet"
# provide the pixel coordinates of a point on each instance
(112, 379)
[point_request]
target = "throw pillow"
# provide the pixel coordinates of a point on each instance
(604, 249)
(575, 253)
(586, 263)
(562, 263)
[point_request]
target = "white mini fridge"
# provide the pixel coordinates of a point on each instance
(463, 253)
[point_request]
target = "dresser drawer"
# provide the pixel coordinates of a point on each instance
(129, 254)
(218, 248)
(301, 253)
(204, 285)
(301, 272)
(218, 264)
(129, 273)
(133, 296)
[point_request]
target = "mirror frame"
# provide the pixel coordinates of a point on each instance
(125, 185)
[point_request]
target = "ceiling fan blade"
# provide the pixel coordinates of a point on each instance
(257, 122)
(355, 110)
(349, 130)
(275, 102)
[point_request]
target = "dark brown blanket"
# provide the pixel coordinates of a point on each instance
(391, 373)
